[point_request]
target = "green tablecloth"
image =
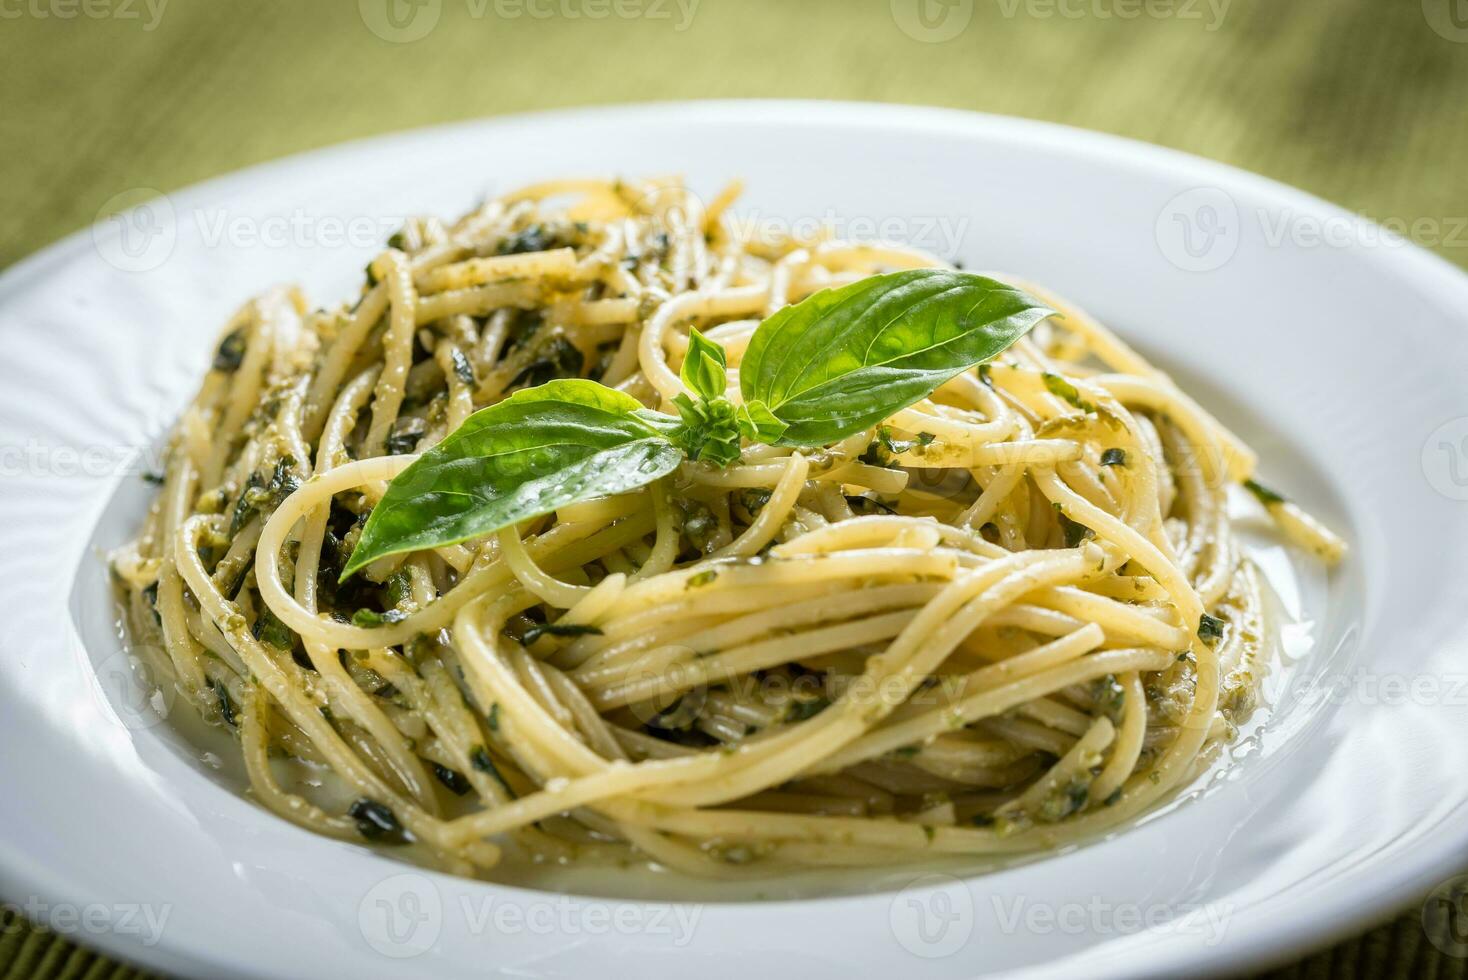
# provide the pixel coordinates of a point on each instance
(1359, 101)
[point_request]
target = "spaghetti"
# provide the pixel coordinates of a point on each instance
(1012, 615)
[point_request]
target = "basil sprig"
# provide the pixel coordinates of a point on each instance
(828, 367)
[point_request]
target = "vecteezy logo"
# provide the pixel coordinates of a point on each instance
(129, 685)
(401, 916)
(933, 916)
(1445, 459)
(1445, 916)
(135, 231)
(1449, 18)
(932, 21)
(1198, 230)
(400, 21)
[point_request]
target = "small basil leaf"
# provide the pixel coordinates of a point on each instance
(705, 369)
(758, 424)
(536, 451)
(844, 359)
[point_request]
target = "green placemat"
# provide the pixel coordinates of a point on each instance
(1359, 101)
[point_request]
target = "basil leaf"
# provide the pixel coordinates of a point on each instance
(705, 369)
(842, 360)
(536, 451)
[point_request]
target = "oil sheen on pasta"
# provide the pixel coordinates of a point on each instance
(966, 633)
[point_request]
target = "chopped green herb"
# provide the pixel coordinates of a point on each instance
(153, 477)
(479, 759)
(249, 501)
(558, 629)
(557, 359)
(376, 822)
(231, 352)
(754, 499)
(368, 618)
(532, 238)
(226, 705)
(1070, 798)
(463, 370)
(403, 437)
(701, 579)
(493, 719)
(1113, 457)
(1266, 496)
(150, 592)
(269, 629)
(1061, 388)
(1110, 696)
(1210, 628)
(452, 778)
(1111, 800)
(678, 716)
(804, 710)
(1074, 531)
(283, 481)
(699, 523)
(398, 588)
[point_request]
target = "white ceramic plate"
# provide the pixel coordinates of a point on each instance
(1339, 351)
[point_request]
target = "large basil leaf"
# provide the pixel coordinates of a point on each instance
(844, 359)
(536, 451)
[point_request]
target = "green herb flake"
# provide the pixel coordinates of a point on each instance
(231, 353)
(226, 704)
(1074, 531)
(1113, 457)
(1061, 388)
(1263, 494)
(403, 436)
(368, 618)
(1210, 629)
(463, 370)
(270, 630)
(1110, 696)
(452, 778)
(558, 629)
(701, 579)
(805, 710)
(376, 822)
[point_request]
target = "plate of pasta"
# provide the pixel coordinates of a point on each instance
(585, 538)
